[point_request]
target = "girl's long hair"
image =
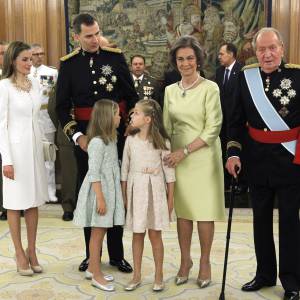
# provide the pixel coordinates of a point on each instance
(157, 132)
(102, 121)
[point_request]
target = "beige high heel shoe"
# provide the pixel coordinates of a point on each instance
(183, 279)
(23, 272)
(35, 269)
(203, 283)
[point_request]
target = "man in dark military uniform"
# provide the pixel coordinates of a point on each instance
(68, 167)
(87, 75)
(145, 85)
(267, 110)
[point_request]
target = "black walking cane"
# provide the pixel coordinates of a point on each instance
(234, 182)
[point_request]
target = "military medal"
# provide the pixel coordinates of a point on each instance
(284, 94)
(91, 62)
(268, 81)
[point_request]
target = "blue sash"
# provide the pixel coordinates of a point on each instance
(264, 107)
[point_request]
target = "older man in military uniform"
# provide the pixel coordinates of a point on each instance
(267, 107)
(145, 85)
(87, 75)
(46, 77)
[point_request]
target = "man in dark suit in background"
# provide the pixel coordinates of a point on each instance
(226, 78)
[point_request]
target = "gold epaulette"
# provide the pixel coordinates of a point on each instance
(292, 66)
(109, 49)
(69, 128)
(73, 53)
(256, 65)
(234, 144)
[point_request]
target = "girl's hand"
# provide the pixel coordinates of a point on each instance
(170, 208)
(8, 171)
(101, 207)
(173, 159)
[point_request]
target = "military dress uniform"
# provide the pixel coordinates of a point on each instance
(146, 87)
(47, 77)
(83, 79)
(270, 167)
(68, 167)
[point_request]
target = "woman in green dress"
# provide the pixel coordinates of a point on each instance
(193, 118)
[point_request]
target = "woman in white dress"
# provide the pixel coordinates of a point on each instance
(24, 174)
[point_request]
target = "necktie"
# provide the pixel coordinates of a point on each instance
(226, 77)
(137, 82)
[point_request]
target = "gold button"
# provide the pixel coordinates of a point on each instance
(95, 92)
(93, 72)
(265, 129)
(94, 82)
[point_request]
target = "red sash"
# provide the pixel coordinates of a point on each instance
(278, 137)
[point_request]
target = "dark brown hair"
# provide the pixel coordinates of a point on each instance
(13, 51)
(186, 41)
(85, 19)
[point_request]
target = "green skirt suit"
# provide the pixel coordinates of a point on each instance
(199, 187)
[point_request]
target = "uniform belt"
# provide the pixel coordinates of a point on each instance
(44, 106)
(84, 113)
(278, 137)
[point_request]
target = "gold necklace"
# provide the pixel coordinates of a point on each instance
(188, 87)
(24, 86)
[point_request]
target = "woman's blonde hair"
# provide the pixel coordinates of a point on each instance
(102, 121)
(157, 132)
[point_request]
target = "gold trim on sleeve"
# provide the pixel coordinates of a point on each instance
(234, 144)
(68, 128)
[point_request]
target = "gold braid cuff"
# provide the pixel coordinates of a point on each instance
(69, 128)
(234, 144)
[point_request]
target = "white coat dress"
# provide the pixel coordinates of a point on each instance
(21, 146)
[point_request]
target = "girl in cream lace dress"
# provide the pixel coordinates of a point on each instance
(147, 186)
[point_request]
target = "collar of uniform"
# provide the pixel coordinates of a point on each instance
(89, 54)
(278, 70)
(138, 78)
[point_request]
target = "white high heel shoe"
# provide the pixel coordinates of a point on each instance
(89, 276)
(103, 287)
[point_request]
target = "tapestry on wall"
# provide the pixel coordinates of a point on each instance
(150, 27)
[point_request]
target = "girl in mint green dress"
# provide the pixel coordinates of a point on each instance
(100, 203)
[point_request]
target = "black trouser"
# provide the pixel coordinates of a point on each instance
(114, 234)
(289, 234)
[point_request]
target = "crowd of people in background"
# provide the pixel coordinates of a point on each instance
(131, 149)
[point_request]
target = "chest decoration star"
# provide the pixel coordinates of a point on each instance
(106, 70)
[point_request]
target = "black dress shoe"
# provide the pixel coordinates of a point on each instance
(3, 216)
(255, 285)
(291, 295)
(122, 265)
(67, 216)
(84, 265)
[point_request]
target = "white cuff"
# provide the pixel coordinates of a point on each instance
(76, 136)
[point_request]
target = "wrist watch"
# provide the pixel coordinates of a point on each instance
(186, 151)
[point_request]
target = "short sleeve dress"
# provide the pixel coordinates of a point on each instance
(199, 188)
(103, 166)
(146, 177)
